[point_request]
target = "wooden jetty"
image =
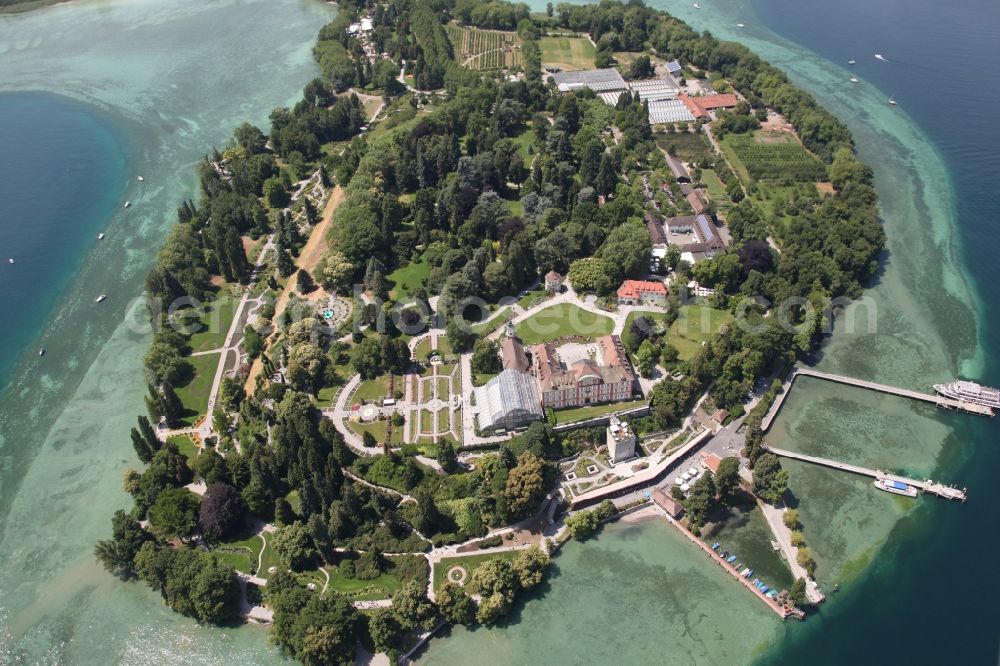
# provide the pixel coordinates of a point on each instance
(927, 486)
(938, 400)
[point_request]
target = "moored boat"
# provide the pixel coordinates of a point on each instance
(128, 204)
(967, 391)
(896, 487)
(100, 236)
(100, 298)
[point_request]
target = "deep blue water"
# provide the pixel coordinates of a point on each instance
(62, 173)
(932, 596)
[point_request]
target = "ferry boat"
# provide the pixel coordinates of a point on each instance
(970, 392)
(100, 298)
(896, 487)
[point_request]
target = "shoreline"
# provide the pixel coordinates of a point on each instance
(29, 6)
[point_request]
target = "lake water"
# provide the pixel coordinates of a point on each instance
(153, 84)
(93, 94)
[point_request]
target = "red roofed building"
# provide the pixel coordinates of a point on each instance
(711, 462)
(700, 106)
(642, 292)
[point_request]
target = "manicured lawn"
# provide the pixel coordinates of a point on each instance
(325, 396)
(481, 378)
(716, 189)
(533, 297)
(442, 388)
(485, 328)
(523, 140)
(659, 318)
(426, 421)
(580, 413)
(269, 558)
(215, 322)
(240, 552)
(376, 428)
(469, 563)
(514, 204)
(560, 320)
(568, 53)
(359, 590)
(408, 278)
(194, 395)
(185, 445)
(372, 389)
(444, 421)
(695, 325)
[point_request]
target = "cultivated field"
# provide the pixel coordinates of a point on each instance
(485, 49)
(567, 53)
(774, 156)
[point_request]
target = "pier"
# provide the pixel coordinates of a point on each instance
(927, 486)
(938, 400)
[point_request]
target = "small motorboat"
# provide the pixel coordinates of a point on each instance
(879, 56)
(740, 25)
(851, 62)
(696, 6)
(140, 178)
(128, 203)
(100, 236)
(41, 352)
(100, 298)
(892, 101)
(854, 79)
(11, 260)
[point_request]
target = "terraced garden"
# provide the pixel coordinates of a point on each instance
(485, 49)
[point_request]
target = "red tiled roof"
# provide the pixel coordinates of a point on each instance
(632, 288)
(552, 276)
(711, 461)
(700, 106)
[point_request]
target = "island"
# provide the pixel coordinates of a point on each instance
(497, 278)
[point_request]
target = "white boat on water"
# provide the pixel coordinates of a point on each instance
(740, 25)
(854, 79)
(851, 62)
(696, 6)
(896, 487)
(892, 100)
(100, 236)
(100, 298)
(128, 203)
(970, 392)
(41, 352)
(140, 178)
(11, 260)
(879, 56)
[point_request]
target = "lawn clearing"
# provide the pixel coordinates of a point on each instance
(240, 552)
(696, 325)
(185, 445)
(470, 564)
(580, 413)
(563, 319)
(362, 590)
(404, 280)
(567, 53)
(215, 322)
(372, 389)
(194, 394)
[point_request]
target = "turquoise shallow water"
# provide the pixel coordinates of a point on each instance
(172, 79)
